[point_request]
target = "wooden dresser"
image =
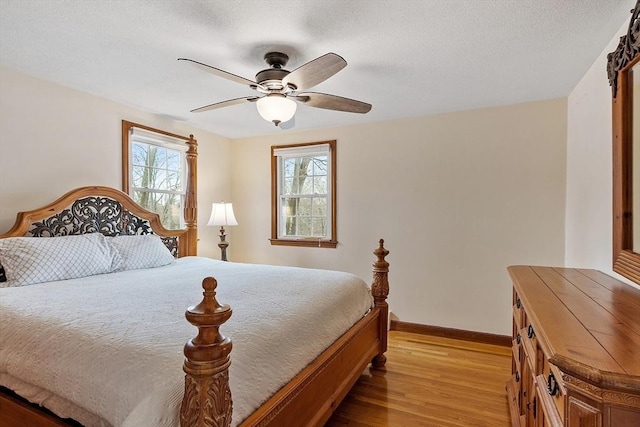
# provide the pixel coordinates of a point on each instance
(576, 349)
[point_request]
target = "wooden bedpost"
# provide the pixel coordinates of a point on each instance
(380, 290)
(191, 200)
(207, 397)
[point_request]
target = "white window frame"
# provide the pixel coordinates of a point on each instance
(279, 154)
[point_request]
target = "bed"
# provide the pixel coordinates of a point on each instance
(208, 391)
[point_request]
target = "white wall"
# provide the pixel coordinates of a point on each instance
(458, 197)
(54, 139)
(589, 169)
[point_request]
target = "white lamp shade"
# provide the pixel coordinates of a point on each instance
(276, 108)
(222, 214)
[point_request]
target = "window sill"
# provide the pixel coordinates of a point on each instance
(311, 243)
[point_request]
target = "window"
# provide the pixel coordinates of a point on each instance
(154, 171)
(303, 182)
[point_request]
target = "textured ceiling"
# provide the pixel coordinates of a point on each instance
(407, 58)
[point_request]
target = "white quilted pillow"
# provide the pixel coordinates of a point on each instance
(141, 251)
(29, 260)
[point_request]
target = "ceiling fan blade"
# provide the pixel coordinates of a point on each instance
(226, 103)
(315, 72)
(289, 124)
(332, 102)
(221, 73)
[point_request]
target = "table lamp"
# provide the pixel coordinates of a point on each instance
(222, 214)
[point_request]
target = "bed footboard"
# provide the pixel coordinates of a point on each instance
(310, 398)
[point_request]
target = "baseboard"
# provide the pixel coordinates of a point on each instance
(458, 334)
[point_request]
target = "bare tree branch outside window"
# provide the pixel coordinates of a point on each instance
(305, 196)
(157, 185)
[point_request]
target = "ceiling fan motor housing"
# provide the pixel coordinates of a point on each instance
(272, 77)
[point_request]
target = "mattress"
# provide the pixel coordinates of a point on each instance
(107, 349)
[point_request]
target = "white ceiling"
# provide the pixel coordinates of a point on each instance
(407, 58)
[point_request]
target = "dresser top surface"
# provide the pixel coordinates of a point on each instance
(588, 322)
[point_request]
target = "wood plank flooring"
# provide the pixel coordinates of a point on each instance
(431, 381)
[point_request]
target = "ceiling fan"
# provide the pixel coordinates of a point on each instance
(280, 89)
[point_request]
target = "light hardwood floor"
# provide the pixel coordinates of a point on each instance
(431, 381)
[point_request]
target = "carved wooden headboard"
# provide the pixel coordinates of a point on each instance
(97, 209)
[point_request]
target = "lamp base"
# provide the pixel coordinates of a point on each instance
(223, 245)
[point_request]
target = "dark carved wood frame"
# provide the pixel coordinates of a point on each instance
(625, 261)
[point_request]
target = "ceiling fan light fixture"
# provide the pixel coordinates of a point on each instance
(276, 108)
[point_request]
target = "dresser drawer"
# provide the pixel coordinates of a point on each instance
(518, 312)
(529, 346)
(547, 410)
(514, 395)
(551, 379)
(516, 349)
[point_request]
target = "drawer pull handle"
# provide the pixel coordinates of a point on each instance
(518, 303)
(530, 332)
(552, 384)
(517, 377)
(518, 338)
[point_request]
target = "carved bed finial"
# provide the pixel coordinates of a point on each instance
(207, 397)
(380, 291)
(380, 286)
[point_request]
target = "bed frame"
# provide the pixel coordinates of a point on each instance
(308, 399)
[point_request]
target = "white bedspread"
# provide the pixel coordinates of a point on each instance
(112, 344)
